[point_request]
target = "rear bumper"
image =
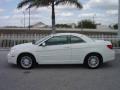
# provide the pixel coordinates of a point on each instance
(110, 56)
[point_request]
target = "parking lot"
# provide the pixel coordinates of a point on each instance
(59, 77)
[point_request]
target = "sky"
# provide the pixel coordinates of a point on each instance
(101, 11)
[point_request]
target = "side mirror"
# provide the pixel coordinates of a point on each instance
(33, 42)
(43, 44)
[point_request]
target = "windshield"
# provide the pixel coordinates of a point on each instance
(42, 39)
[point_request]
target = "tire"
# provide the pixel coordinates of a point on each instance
(93, 61)
(26, 61)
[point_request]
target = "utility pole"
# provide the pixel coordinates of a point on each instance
(119, 20)
(81, 23)
(29, 18)
(94, 18)
(24, 18)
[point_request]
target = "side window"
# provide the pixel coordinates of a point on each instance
(57, 40)
(75, 39)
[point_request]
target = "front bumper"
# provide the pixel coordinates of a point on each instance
(12, 59)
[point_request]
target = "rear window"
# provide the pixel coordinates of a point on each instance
(75, 39)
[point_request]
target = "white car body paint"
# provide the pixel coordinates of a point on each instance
(63, 54)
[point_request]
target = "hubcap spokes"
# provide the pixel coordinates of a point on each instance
(26, 62)
(93, 61)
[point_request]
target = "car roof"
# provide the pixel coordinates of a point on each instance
(76, 34)
(84, 37)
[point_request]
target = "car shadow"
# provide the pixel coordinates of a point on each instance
(63, 66)
(107, 65)
(13, 66)
(59, 66)
(51, 66)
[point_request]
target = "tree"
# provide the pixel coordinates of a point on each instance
(115, 26)
(63, 26)
(86, 24)
(52, 3)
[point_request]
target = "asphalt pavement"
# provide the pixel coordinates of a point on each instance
(60, 77)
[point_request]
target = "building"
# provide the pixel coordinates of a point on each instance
(103, 27)
(39, 25)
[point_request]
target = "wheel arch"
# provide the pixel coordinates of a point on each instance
(27, 53)
(95, 53)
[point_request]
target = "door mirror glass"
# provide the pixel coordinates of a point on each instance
(75, 39)
(43, 44)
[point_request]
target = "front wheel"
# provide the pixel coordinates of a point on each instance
(26, 61)
(93, 61)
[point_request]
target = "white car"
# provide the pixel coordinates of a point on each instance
(62, 48)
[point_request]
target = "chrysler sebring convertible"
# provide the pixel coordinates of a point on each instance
(62, 48)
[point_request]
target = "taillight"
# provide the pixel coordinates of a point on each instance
(110, 46)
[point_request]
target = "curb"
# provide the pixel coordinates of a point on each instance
(4, 49)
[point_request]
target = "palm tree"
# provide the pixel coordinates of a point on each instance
(52, 3)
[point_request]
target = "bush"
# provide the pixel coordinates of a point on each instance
(86, 24)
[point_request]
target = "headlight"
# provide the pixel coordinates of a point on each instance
(12, 52)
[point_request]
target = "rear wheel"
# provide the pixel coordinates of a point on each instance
(93, 61)
(26, 61)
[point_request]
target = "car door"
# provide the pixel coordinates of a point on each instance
(78, 49)
(55, 51)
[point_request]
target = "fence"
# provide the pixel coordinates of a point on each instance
(7, 41)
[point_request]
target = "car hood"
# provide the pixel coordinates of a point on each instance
(23, 46)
